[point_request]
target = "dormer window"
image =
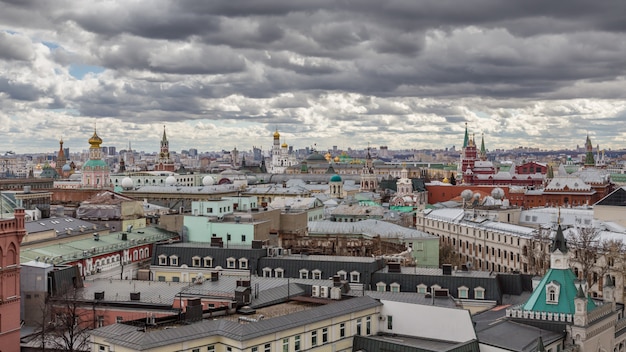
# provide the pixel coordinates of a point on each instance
(267, 272)
(195, 261)
(162, 259)
(463, 292)
(421, 288)
(243, 263)
(317, 274)
(381, 287)
(342, 275)
(304, 274)
(230, 263)
(479, 293)
(552, 292)
(173, 260)
(208, 262)
(279, 272)
(395, 287)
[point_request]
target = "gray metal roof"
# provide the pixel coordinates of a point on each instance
(62, 225)
(413, 298)
(514, 336)
(129, 337)
(368, 227)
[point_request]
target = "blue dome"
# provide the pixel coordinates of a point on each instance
(335, 178)
(66, 167)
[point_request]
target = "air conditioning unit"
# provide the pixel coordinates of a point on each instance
(324, 291)
(315, 291)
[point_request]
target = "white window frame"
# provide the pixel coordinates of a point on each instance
(381, 287)
(355, 276)
(479, 293)
(279, 272)
(207, 262)
(421, 288)
(463, 292)
(195, 261)
(304, 273)
(162, 259)
(555, 288)
(173, 260)
(243, 263)
(317, 274)
(394, 287)
(267, 272)
(343, 275)
(231, 263)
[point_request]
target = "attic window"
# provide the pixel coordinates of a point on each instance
(479, 293)
(381, 287)
(463, 292)
(552, 292)
(162, 259)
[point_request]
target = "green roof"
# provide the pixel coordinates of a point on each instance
(97, 163)
(335, 178)
(402, 209)
(567, 292)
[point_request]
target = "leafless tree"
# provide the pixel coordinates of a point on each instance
(447, 255)
(65, 324)
(539, 252)
(595, 257)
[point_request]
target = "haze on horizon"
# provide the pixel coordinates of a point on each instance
(402, 73)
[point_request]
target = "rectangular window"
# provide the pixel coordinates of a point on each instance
(286, 344)
(210, 348)
(325, 335)
(254, 349)
(196, 262)
(296, 344)
(119, 319)
(389, 322)
(267, 347)
(100, 321)
(342, 330)
(358, 327)
(161, 278)
(243, 238)
(175, 279)
(195, 350)
(314, 338)
(368, 326)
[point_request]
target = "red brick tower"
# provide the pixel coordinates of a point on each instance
(11, 234)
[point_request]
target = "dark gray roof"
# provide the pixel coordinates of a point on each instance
(186, 251)
(409, 282)
(514, 336)
(128, 336)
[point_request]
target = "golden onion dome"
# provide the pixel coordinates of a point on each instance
(95, 141)
(445, 180)
(276, 135)
(284, 145)
(336, 159)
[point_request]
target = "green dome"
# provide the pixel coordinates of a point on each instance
(335, 178)
(95, 164)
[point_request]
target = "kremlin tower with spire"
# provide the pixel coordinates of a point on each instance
(165, 162)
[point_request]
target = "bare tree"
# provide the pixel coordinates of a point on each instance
(539, 252)
(595, 257)
(447, 255)
(65, 323)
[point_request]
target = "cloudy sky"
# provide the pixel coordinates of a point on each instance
(402, 73)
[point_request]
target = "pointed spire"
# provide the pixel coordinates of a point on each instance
(466, 139)
(580, 293)
(559, 241)
(164, 136)
(482, 145)
(550, 174)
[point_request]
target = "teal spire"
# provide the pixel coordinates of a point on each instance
(466, 140)
(589, 160)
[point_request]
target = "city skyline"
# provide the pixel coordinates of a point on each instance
(403, 74)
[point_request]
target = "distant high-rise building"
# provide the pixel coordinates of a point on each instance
(193, 152)
(258, 153)
(112, 151)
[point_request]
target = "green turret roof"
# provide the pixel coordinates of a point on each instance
(567, 292)
(466, 140)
